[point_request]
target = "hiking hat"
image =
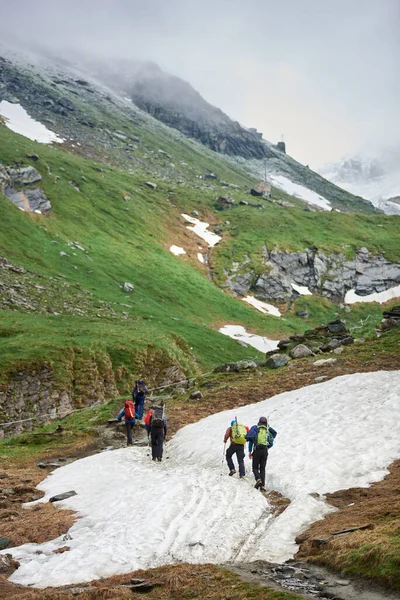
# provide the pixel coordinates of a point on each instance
(263, 420)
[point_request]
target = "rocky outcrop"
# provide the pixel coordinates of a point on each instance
(326, 338)
(328, 275)
(391, 318)
(13, 184)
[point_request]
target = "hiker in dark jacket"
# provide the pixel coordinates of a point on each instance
(157, 427)
(236, 435)
(138, 396)
(260, 438)
(128, 412)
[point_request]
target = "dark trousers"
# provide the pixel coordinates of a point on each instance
(157, 441)
(129, 425)
(139, 407)
(260, 455)
(237, 449)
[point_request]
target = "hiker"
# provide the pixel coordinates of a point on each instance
(260, 438)
(128, 412)
(138, 396)
(237, 434)
(156, 425)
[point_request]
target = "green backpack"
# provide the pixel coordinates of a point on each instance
(262, 435)
(239, 433)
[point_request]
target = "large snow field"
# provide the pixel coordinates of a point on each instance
(381, 297)
(299, 191)
(136, 514)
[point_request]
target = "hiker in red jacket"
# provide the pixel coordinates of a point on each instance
(128, 412)
(236, 433)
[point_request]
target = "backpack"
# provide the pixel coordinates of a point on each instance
(129, 411)
(238, 433)
(262, 435)
(157, 418)
(140, 387)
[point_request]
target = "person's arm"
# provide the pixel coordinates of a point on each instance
(121, 414)
(146, 390)
(250, 438)
(228, 434)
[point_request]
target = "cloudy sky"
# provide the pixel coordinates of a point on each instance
(324, 74)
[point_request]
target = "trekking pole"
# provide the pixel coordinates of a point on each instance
(223, 456)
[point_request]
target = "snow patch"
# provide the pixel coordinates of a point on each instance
(18, 120)
(200, 229)
(299, 191)
(323, 445)
(237, 332)
(263, 307)
(177, 250)
(394, 292)
(301, 289)
(200, 257)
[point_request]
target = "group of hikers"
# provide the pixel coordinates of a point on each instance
(260, 437)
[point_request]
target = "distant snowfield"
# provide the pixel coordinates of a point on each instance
(200, 229)
(351, 297)
(237, 332)
(299, 191)
(177, 250)
(263, 307)
(136, 514)
(18, 120)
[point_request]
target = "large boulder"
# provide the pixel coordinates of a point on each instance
(24, 175)
(277, 360)
(300, 351)
(391, 318)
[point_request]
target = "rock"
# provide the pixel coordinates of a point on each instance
(261, 189)
(7, 564)
(66, 103)
(347, 340)
(336, 327)
(24, 175)
(236, 367)
(151, 185)
(391, 318)
(243, 203)
(4, 542)
(334, 344)
(63, 496)
(127, 287)
(284, 343)
(277, 360)
(210, 175)
(62, 253)
(196, 395)
(338, 350)
(359, 340)
(224, 203)
(318, 542)
(194, 213)
(300, 351)
(324, 361)
(33, 157)
(304, 314)
(320, 378)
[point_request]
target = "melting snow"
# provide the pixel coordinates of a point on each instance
(200, 229)
(237, 332)
(301, 289)
(177, 250)
(299, 191)
(18, 120)
(262, 306)
(394, 292)
(326, 441)
(200, 257)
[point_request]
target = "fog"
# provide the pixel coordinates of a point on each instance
(323, 74)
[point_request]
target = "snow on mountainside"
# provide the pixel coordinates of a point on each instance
(376, 178)
(193, 512)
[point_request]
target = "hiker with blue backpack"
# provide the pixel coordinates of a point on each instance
(237, 434)
(128, 412)
(260, 437)
(138, 396)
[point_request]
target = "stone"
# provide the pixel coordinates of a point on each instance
(324, 361)
(63, 496)
(336, 327)
(194, 213)
(300, 351)
(24, 175)
(66, 103)
(7, 564)
(224, 203)
(151, 185)
(277, 360)
(196, 395)
(4, 542)
(338, 350)
(320, 378)
(33, 157)
(347, 340)
(128, 287)
(335, 343)
(318, 542)
(304, 314)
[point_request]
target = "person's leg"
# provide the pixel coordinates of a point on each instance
(160, 443)
(240, 457)
(256, 465)
(153, 435)
(263, 464)
(141, 407)
(128, 426)
(228, 455)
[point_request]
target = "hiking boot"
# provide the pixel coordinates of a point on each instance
(241, 476)
(258, 484)
(262, 489)
(232, 472)
(159, 459)
(129, 444)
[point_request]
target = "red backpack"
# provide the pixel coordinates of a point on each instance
(129, 410)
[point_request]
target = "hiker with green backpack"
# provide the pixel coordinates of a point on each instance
(260, 437)
(237, 434)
